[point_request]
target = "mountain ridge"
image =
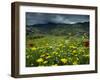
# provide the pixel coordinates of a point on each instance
(57, 28)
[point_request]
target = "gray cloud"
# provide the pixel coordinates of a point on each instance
(42, 18)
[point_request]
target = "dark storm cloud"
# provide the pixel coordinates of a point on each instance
(42, 18)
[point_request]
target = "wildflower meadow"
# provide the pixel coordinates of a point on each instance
(57, 39)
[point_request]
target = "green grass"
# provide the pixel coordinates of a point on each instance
(57, 50)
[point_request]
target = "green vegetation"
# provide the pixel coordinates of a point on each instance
(57, 46)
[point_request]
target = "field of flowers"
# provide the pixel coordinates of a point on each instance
(57, 50)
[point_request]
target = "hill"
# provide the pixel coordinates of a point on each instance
(57, 29)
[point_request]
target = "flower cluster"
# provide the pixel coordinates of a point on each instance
(57, 51)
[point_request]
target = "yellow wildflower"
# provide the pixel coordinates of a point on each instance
(45, 62)
(58, 48)
(87, 55)
(48, 57)
(59, 55)
(55, 53)
(60, 44)
(77, 59)
(72, 47)
(64, 60)
(74, 51)
(47, 44)
(55, 65)
(46, 53)
(75, 62)
(42, 55)
(50, 47)
(39, 60)
(33, 48)
(66, 41)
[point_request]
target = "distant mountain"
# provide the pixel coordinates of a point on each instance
(52, 23)
(57, 28)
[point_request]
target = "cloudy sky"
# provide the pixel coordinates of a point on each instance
(43, 18)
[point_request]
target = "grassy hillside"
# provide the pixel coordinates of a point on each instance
(54, 44)
(57, 29)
